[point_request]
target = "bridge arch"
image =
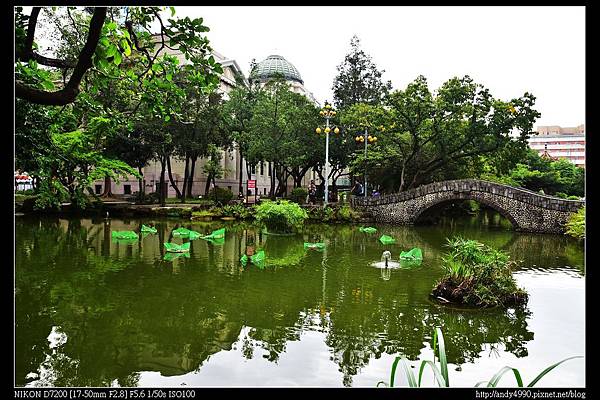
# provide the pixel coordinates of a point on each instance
(526, 210)
(449, 197)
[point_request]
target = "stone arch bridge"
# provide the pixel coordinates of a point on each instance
(527, 211)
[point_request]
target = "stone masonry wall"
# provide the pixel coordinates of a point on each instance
(528, 211)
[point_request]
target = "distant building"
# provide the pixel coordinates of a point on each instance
(558, 142)
(275, 65)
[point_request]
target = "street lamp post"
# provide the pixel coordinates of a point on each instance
(365, 137)
(328, 112)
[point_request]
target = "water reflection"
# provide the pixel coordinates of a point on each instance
(126, 308)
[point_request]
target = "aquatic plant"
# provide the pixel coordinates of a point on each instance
(477, 275)
(441, 373)
(281, 216)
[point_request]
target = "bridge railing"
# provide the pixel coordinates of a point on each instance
(469, 185)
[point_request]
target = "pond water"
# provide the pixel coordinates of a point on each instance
(92, 311)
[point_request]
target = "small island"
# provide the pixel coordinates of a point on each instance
(477, 275)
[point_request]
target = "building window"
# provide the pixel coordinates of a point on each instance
(265, 191)
(269, 169)
(126, 189)
(253, 170)
(262, 168)
(229, 187)
(98, 189)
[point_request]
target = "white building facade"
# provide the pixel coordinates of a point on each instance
(557, 142)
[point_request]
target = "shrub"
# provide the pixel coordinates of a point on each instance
(220, 195)
(146, 198)
(576, 224)
(238, 211)
(282, 216)
(322, 214)
(346, 213)
(298, 195)
(478, 275)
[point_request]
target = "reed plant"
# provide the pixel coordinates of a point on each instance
(441, 372)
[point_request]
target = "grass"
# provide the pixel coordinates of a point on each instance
(441, 373)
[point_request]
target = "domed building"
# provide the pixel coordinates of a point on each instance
(277, 66)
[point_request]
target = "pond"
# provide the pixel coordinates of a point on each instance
(93, 311)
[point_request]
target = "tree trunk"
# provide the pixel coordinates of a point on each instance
(171, 178)
(191, 177)
(272, 181)
(185, 179)
(297, 180)
(241, 185)
(207, 187)
(142, 189)
(402, 176)
(161, 184)
(107, 193)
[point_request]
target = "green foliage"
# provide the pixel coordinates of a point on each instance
(576, 224)
(478, 275)
(298, 195)
(281, 216)
(220, 195)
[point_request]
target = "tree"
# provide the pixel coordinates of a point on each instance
(554, 177)
(108, 42)
(357, 119)
(358, 79)
(426, 133)
(282, 132)
(238, 113)
(202, 125)
(131, 79)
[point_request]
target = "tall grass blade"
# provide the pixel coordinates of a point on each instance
(393, 373)
(439, 337)
(410, 376)
(436, 373)
(550, 368)
(496, 378)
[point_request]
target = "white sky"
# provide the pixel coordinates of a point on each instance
(510, 50)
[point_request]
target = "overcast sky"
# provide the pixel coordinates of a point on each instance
(510, 50)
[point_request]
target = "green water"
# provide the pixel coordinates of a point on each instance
(93, 311)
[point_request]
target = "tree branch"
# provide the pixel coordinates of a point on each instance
(71, 90)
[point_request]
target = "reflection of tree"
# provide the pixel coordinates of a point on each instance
(534, 249)
(128, 313)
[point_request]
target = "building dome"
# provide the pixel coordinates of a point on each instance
(275, 65)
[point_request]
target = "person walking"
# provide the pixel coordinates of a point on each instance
(312, 192)
(357, 189)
